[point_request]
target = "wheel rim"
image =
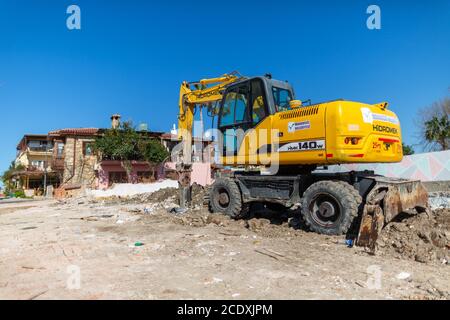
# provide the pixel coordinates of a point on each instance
(223, 198)
(325, 210)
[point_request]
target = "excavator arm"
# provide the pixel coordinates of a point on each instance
(203, 92)
(193, 94)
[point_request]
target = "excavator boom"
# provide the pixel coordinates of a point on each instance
(205, 91)
(193, 94)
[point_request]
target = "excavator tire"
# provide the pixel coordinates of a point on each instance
(352, 190)
(329, 207)
(225, 197)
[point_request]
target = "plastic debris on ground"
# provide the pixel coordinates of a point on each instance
(439, 200)
(403, 276)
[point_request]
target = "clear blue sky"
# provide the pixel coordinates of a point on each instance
(130, 57)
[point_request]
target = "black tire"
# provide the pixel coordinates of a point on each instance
(329, 207)
(225, 197)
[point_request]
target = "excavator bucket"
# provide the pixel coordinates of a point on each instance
(387, 199)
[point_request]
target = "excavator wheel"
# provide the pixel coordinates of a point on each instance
(225, 197)
(329, 207)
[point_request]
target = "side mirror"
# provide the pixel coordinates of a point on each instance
(295, 104)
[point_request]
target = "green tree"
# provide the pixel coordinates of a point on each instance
(9, 174)
(437, 131)
(153, 153)
(434, 125)
(125, 144)
(407, 149)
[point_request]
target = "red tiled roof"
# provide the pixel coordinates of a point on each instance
(168, 136)
(75, 131)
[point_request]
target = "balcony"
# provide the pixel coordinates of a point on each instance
(38, 166)
(35, 168)
(39, 151)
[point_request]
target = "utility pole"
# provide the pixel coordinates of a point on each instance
(45, 169)
(202, 130)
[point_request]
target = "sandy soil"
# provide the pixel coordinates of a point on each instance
(130, 249)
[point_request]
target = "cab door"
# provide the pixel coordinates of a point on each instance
(244, 106)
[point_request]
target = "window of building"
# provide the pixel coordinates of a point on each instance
(87, 148)
(38, 164)
(117, 177)
(37, 145)
(144, 176)
(60, 150)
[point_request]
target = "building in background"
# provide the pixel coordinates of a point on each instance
(73, 157)
(65, 160)
(34, 159)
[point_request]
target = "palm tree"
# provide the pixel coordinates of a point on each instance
(437, 131)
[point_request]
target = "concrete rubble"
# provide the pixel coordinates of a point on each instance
(439, 200)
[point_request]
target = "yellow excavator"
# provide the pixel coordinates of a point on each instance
(274, 145)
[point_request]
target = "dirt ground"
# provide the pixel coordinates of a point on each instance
(135, 249)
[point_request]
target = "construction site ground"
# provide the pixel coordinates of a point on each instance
(134, 248)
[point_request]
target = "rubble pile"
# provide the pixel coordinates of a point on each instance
(198, 195)
(418, 237)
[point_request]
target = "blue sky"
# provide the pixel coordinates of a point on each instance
(130, 57)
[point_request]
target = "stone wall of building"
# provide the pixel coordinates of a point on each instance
(79, 169)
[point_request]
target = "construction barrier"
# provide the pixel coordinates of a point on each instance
(432, 166)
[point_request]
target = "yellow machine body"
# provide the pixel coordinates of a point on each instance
(334, 132)
(328, 133)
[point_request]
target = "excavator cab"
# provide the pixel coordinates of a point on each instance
(246, 104)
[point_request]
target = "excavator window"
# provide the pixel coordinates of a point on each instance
(257, 101)
(281, 97)
(235, 107)
(241, 108)
(244, 104)
(234, 117)
(227, 115)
